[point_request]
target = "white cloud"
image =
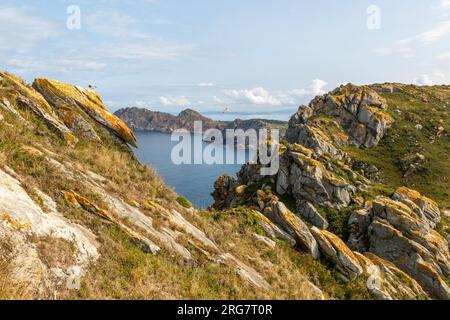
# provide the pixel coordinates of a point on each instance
(206, 84)
(423, 80)
(445, 4)
(25, 64)
(444, 56)
(261, 96)
(317, 86)
(405, 46)
(20, 30)
(153, 50)
(217, 100)
(138, 103)
(129, 43)
(436, 77)
(257, 96)
(440, 30)
(174, 101)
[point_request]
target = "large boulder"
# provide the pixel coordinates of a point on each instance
(71, 114)
(295, 227)
(386, 281)
(307, 179)
(400, 232)
(335, 250)
(23, 222)
(426, 208)
(389, 243)
(310, 214)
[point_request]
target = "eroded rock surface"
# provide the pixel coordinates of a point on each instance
(88, 101)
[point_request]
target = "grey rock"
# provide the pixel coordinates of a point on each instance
(296, 228)
(310, 213)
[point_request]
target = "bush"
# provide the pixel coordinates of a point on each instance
(182, 201)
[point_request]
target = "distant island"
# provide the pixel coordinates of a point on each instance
(141, 119)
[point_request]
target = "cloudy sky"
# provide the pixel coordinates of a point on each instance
(255, 57)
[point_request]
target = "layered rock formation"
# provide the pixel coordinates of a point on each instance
(73, 197)
(51, 199)
(392, 240)
(69, 100)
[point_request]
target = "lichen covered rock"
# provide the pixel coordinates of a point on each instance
(18, 93)
(400, 232)
(296, 228)
(88, 101)
(359, 110)
(334, 249)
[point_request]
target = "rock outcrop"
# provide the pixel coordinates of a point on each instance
(359, 111)
(21, 219)
(80, 197)
(16, 93)
(58, 203)
(146, 120)
(295, 227)
(88, 101)
(337, 251)
(393, 231)
(392, 239)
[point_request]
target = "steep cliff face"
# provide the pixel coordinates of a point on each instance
(329, 178)
(147, 120)
(80, 217)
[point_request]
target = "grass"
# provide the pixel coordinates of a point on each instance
(338, 220)
(403, 139)
(9, 288)
(123, 271)
(182, 201)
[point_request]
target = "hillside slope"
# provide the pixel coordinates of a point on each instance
(344, 190)
(81, 218)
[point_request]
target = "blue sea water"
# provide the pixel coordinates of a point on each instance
(194, 181)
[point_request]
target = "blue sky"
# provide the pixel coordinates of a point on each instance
(256, 57)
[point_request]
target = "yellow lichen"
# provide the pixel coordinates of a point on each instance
(241, 189)
(414, 196)
(299, 148)
(91, 103)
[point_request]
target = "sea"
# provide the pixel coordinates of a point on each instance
(193, 181)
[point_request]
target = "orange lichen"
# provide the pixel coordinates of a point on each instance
(70, 198)
(381, 115)
(241, 189)
(90, 102)
(16, 224)
(21, 86)
(414, 196)
(307, 152)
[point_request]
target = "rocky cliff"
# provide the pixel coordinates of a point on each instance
(146, 120)
(338, 195)
(81, 218)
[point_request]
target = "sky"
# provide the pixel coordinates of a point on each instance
(254, 58)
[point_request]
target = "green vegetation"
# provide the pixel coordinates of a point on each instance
(338, 220)
(427, 107)
(182, 201)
